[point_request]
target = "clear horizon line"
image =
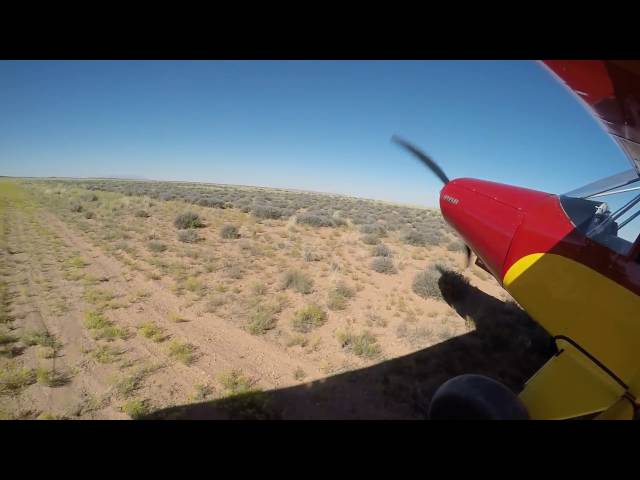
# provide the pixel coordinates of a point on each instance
(144, 179)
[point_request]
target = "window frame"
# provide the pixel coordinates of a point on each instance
(598, 191)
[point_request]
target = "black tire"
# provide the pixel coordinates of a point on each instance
(475, 397)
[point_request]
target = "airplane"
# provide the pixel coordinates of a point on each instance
(571, 261)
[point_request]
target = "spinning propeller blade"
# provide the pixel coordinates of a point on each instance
(434, 167)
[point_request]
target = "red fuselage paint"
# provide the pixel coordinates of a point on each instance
(502, 224)
(487, 216)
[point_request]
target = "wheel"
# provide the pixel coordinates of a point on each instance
(475, 397)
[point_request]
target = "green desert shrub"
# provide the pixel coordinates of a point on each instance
(311, 256)
(6, 338)
(188, 220)
(339, 296)
(89, 197)
(456, 246)
(262, 319)
(259, 288)
(211, 202)
(383, 265)
(106, 354)
(152, 331)
(188, 236)
(111, 332)
(373, 228)
(413, 237)
(265, 211)
(156, 246)
(299, 281)
(364, 345)
(39, 337)
(101, 298)
(202, 392)
(433, 237)
(135, 408)
(381, 250)
(194, 285)
(14, 378)
(315, 220)
(370, 239)
(234, 271)
(229, 231)
(426, 283)
(183, 352)
(126, 385)
(308, 318)
(94, 320)
(51, 378)
(215, 302)
(236, 382)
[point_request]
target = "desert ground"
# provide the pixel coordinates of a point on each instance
(131, 299)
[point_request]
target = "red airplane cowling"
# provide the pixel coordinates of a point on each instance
(487, 216)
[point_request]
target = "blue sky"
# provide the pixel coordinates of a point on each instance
(314, 125)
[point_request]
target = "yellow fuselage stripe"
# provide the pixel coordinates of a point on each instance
(568, 298)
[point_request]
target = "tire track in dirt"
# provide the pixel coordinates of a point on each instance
(66, 328)
(92, 380)
(222, 347)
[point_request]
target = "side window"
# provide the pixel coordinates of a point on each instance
(615, 222)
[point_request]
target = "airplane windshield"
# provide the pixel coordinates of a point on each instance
(609, 216)
(618, 181)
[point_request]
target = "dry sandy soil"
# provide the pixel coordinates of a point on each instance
(106, 314)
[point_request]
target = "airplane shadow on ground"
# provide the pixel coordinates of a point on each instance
(506, 345)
